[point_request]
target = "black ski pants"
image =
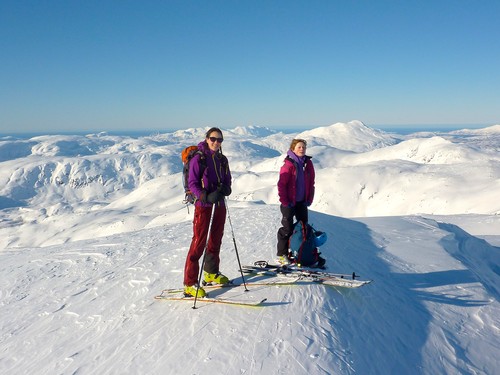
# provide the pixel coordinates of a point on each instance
(299, 211)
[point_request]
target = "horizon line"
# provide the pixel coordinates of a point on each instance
(136, 131)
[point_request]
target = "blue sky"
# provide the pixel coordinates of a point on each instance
(156, 65)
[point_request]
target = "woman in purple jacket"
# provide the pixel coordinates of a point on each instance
(210, 182)
(296, 193)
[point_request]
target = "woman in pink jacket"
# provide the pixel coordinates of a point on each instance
(296, 193)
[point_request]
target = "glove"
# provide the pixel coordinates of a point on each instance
(203, 196)
(215, 196)
(225, 190)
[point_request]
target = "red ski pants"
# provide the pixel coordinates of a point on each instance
(201, 222)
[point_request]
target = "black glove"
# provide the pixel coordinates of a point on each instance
(225, 190)
(203, 196)
(215, 196)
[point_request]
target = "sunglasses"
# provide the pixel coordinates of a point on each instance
(213, 139)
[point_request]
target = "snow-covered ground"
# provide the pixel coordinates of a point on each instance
(93, 227)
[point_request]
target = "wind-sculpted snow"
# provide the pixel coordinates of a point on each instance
(88, 306)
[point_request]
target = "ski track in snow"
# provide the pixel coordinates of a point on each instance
(88, 307)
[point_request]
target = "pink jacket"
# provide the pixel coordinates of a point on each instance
(288, 179)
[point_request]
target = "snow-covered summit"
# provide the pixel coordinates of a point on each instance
(256, 131)
(493, 130)
(351, 136)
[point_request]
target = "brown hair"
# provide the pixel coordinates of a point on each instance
(295, 141)
(211, 130)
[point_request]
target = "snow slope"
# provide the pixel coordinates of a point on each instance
(92, 229)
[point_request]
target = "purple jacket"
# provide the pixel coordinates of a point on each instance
(216, 172)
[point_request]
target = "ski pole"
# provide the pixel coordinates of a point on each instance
(204, 255)
(234, 242)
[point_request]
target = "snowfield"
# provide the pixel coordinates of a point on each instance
(93, 227)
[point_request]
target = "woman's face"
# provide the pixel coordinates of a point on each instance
(214, 140)
(300, 149)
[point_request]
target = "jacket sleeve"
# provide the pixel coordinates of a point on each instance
(195, 176)
(311, 184)
(283, 181)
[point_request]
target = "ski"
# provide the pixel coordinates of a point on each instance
(208, 286)
(293, 267)
(307, 275)
(237, 284)
(226, 301)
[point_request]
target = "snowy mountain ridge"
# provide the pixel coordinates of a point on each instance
(51, 175)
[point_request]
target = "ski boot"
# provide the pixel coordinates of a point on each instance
(190, 291)
(321, 263)
(283, 260)
(215, 278)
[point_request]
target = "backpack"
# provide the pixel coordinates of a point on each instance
(302, 244)
(186, 155)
